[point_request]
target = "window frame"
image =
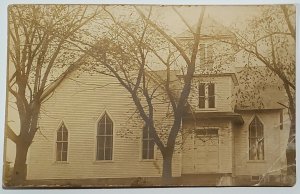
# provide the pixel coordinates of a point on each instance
(256, 118)
(281, 120)
(142, 146)
(205, 62)
(62, 123)
(206, 129)
(112, 136)
(200, 57)
(207, 96)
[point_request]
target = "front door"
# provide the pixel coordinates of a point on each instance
(206, 150)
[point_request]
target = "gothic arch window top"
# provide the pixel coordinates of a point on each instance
(105, 138)
(256, 139)
(62, 143)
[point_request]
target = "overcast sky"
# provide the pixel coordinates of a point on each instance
(226, 15)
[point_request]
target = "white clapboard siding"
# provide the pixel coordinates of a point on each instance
(79, 102)
(272, 158)
(223, 93)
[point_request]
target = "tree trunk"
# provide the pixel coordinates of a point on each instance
(291, 150)
(291, 146)
(20, 167)
(167, 167)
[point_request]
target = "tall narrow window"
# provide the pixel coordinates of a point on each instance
(210, 57)
(105, 138)
(148, 144)
(62, 143)
(256, 140)
(281, 119)
(201, 95)
(206, 95)
(211, 95)
(202, 55)
(205, 56)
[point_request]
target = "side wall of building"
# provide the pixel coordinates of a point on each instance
(273, 154)
(79, 102)
(223, 94)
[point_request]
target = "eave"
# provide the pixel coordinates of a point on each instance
(232, 75)
(232, 116)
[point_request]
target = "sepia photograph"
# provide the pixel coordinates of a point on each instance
(127, 96)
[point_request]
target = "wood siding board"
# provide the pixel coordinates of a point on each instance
(79, 108)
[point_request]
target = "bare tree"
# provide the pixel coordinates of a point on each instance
(270, 40)
(125, 56)
(41, 56)
(178, 105)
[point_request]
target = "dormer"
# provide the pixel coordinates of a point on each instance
(213, 93)
(214, 80)
(216, 52)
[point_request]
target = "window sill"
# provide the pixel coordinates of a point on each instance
(256, 161)
(206, 109)
(147, 160)
(60, 162)
(102, 161)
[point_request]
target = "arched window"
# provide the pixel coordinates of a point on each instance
(62, 143)
(105, 138)
(148, 144)
(256, 140)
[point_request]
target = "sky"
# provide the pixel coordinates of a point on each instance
(226, 15)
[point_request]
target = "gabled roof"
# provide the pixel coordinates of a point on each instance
(71, 69)
(160, 76)
(259, 89)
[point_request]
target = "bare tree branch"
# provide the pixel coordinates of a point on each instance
(164, 34)
(11, 134)
(288, 21)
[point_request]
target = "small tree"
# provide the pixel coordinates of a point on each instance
(41, 56)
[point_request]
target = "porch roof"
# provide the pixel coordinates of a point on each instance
(234, 117)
